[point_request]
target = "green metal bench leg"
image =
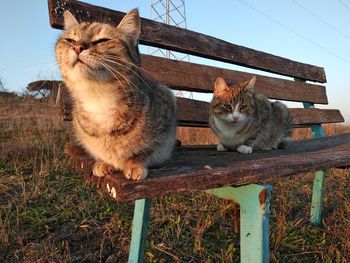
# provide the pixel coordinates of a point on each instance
(254, 203)
(317, 198)
(139, 230)
(317, 190)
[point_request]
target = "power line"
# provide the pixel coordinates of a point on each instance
(345, 5)
(320, 19)
(295, 32)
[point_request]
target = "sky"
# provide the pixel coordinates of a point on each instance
(315, 32)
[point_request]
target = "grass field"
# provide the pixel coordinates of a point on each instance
(48, 213)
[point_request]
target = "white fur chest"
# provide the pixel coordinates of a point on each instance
(228, 132)
(98, 101)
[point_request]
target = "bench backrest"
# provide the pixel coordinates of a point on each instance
(186, 76)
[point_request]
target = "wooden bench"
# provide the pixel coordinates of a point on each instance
(229, 175)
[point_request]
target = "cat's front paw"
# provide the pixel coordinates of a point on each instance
(135, 170)
(244, 149)
(101, 169)
(221, 148)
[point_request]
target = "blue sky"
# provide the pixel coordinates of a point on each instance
(285, 28)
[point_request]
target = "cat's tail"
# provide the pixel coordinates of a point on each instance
(285, 120)
(178, 143)
(284, 143)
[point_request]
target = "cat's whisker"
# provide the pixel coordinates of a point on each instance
(111, 70)
(124, 77)
(140, 77)
(129, 126)
(114, 59)
(127, 62)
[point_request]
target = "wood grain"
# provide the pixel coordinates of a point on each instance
(180, 75)
(196, 113)
(186, 171)
(189, 42)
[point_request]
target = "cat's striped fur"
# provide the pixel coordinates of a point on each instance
(243, 120)
(122, 118)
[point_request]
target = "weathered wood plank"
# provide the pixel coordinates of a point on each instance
(196, 113)
(189, 42)
(306, 117)
(188, 169)
(180, 75)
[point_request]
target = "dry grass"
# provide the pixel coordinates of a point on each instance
(48, 214)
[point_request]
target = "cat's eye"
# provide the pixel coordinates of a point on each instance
(101, 40)
(243, 107)
(72, 41)
(227, 106)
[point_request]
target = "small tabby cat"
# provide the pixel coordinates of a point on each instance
(123, 119)
(244, 121)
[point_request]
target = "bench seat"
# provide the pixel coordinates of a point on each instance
(201, 167)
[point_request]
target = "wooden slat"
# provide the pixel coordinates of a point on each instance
(196, 113)
(182, 75)
(307, 117)
(188, 169)
(179, 75)
(189, 42)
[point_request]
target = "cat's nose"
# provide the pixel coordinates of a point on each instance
(78, 48)
(235, 118)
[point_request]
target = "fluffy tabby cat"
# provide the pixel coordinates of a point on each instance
(244, 121)
(125, 121)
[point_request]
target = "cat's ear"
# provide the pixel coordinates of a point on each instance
(69, 20)
(131, 25)
(250, 85)
(220, 87)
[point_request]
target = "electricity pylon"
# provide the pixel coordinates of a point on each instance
(171, 12)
